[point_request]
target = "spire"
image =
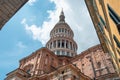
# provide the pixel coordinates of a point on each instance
(62, 17)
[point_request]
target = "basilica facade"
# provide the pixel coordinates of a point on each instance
(59, 60)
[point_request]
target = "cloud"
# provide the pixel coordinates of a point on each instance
(77, 17)
(21, 45)
(31, 2)
(23, 21)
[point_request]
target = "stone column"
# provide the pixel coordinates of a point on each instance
(65, 53)
(64, 43)
(60, 43)
(56, 43)
(52, 44)
(69, 44)
(49, 45)
(72, 47)
(60, 52)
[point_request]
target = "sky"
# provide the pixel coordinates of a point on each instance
(28, 30)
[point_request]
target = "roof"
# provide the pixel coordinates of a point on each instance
(91, 49)
(36, 52)
(8, 8)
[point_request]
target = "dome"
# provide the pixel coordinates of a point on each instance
(61, 39)
(62, 29)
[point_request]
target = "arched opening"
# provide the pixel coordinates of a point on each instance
(63, 53)
(62, 29)
(66, 44)
(58, 43)
(28, 68)
(71, 45)
(50, 45)
(65, 30)
(54, 45)
(59, 29)
(56, 30)
(68, 32)
(58, 52)
(99, 64)
(67, 53)
(63, 44)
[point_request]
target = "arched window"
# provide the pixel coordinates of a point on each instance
(66, 44)
(50, 45)
(65, 30)
(54, 45)
(99, 64)
(62, 29)
(68, 32)
(67, 53)
(28, 71)
(58, 43)
(58, 52)
(63, 53)
(28, 68)
(62, 43)
(59, 29)
(56, 30)
(71, 45)
(71, 54)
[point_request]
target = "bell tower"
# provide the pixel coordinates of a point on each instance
(61, 39)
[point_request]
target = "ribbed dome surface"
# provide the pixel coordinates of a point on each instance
(61, 29)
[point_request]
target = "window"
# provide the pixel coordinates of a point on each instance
(58, 43)
(63, 53)
(68, 32)
(65, 30)
(116, 41)
(62, 43)
(118, 26)
(98, 64)
(62, 29)
(119, 60)
(59, 29)
(118, 51)
(94, 5)
(71, 45)
(62, 72)
(114, 16)
(75, 64)
(102, 21)
(54, 45)
(28, 68)
(100, 27)
(67, 53)
(56, 30)
(107, 40)
(28, 71)
(66, 44)
(50, 45)
(58, 52)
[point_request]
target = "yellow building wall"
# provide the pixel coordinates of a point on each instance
(100, 7)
